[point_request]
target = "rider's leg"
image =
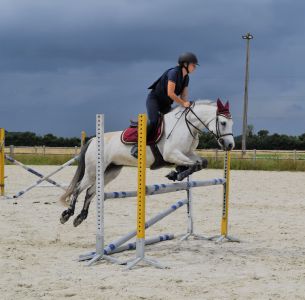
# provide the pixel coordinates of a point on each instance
(153, 109)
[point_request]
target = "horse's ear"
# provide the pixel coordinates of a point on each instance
(220, 106)
(223, 109)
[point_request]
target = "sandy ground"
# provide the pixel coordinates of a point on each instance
(39, 255)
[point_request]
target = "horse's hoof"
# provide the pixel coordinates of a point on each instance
(77, 221)
(65, 216)
(80, 218)
(172, 175)
(181, 176)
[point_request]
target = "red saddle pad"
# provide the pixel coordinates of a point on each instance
(130, 135)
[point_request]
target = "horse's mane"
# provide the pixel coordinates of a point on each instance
(198, 102)
(205, 102)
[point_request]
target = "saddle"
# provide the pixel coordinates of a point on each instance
(130, 137)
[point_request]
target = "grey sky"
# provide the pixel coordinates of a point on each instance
(61, 61)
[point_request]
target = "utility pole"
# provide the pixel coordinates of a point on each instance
(247, 37)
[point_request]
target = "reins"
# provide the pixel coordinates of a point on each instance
(188, 123)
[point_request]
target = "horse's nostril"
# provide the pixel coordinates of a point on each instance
(230, 146)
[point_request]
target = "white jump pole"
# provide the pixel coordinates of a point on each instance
(190, 216)
(99, 253)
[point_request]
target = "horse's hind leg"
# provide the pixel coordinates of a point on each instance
(111, 172)
(66, 214)
(84, 212)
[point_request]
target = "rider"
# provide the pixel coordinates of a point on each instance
(171, 86)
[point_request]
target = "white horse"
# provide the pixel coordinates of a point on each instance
(177, 146)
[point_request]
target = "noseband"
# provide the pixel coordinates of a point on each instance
(217, 135)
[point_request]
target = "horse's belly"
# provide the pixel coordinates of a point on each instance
(125, 158)
(119, 153)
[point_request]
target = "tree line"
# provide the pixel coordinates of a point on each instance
(28, 138)
(262, 140)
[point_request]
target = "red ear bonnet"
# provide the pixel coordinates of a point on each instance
(223, 109)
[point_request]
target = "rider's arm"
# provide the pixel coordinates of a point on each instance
(171, 93)
(185, 94)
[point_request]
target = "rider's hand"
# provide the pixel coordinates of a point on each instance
(186, 104)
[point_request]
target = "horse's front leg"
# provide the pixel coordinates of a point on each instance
(183, 171)
(182, 161)
(200, 162)
(199, 165)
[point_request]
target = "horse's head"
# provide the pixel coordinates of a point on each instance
(217, 120)
(223, 126)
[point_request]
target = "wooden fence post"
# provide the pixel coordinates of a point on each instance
(2, 160)
(12, 151)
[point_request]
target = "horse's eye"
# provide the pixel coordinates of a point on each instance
(223, 123)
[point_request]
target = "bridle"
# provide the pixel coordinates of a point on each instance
(188, 123)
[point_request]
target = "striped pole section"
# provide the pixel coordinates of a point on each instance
(150, 241)
(122, 240)
(2, 160)
(131, 246)
(18, 163)
(166, 188)
(68, 163)
(148, 224)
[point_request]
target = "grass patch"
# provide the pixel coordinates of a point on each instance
(270, 164)
(34, 159)
(261, 164)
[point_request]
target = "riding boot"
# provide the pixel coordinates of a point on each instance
(149, 136)
(151, 128)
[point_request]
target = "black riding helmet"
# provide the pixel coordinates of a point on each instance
(188, 58)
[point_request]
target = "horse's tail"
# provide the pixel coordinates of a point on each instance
(78, 176)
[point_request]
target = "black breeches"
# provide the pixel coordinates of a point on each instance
(153, 110)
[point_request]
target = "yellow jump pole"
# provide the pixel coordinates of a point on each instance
(2, 160)
(140, 243)
(226, 189)
(224, 237)
(141, 176)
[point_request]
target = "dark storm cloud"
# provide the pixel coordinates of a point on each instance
(63, 61)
